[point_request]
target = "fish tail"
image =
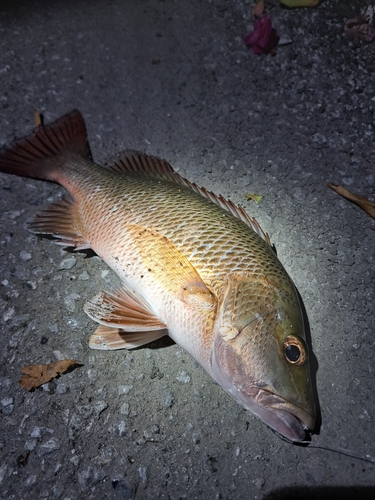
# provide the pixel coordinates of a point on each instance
(37, 155)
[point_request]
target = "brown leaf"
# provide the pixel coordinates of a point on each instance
(35, 375)
(361, 201)
(258, 8)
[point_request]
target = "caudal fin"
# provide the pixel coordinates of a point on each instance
(31, 156)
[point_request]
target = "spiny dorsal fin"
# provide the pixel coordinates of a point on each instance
(26, 157)
(134, 163)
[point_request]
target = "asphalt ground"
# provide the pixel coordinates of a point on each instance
(174, 79)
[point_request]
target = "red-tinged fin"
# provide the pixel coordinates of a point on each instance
(123, 309)
(60, 220)
(134, 163)
(110, 339)
(27, 157)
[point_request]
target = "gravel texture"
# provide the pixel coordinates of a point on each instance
(174, 79)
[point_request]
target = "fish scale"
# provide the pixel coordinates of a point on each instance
(192, 265)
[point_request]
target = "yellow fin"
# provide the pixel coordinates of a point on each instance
(171, 268)
(124, 309)
(110, 339)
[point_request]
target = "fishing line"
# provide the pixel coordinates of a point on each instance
(340, 451)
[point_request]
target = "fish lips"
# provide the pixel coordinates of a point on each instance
(287, 419)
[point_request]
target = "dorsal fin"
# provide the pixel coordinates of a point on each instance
(132, 162)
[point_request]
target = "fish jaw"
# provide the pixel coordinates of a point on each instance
(287, 419)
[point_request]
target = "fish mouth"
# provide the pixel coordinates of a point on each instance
(284, 417)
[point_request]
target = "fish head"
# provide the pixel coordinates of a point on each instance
(259, 353)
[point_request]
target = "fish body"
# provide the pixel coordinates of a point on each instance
(192, 266)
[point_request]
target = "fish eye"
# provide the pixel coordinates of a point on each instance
(295, 350)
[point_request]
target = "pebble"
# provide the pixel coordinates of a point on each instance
(143, 475)
(74, 460)
(50, 446)
(25, 256)
(119, 429)
(30, 444)
(122, 489)
(67, 263)
(88, 478)
(125, 409)
(99, 407)
(183, 377)
(6, 402)
(12, 214)
(30, 480)
(9, 314)
(168, 399)
(61, 388)
(124, 389)
(69, 301)
(38, 432)
(259, 483)
(58, 468)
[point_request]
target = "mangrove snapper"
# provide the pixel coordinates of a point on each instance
(192, 265)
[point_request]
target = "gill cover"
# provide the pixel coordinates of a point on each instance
(260, 356)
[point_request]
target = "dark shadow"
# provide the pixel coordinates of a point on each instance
(322, 493)
(313, 366)
(161, 343)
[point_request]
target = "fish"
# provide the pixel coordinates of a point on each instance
(192, 265)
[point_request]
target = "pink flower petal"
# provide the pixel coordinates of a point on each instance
(359, 27)
(263, 38)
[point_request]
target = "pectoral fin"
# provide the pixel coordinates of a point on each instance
(125, 310)
(110, 339)
(171, 268)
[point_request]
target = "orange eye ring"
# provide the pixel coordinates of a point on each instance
(295, 350)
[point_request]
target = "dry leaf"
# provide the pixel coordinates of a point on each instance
(35, 375)
(361, 201)
(258, 8)
(38, 118)
(255, 197)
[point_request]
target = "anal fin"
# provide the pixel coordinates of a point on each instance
(110, 339)
(125, 310)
